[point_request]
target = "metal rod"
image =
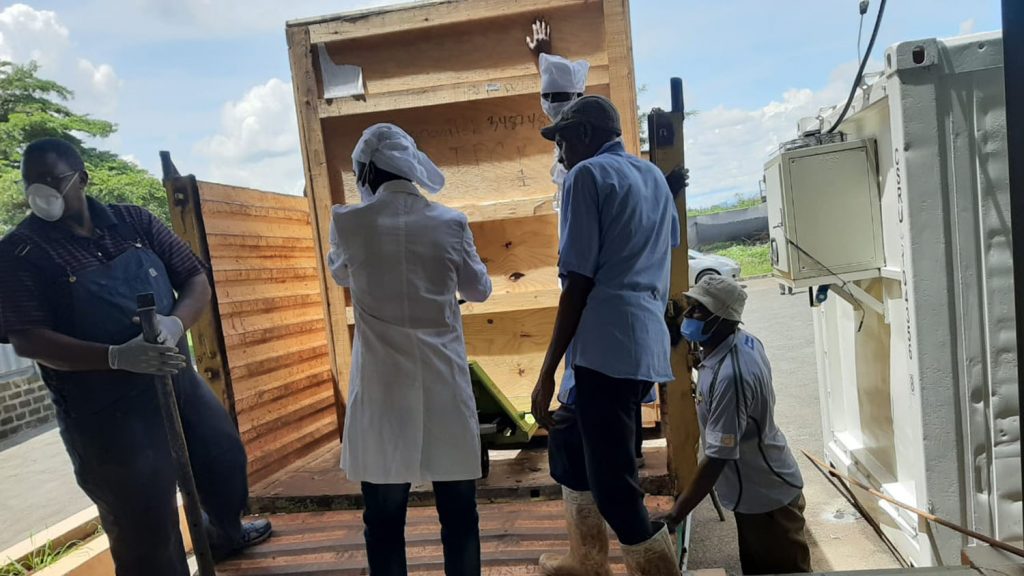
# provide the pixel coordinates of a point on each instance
(821, 466)
(677, 95)
(179, 449)
(1013, 47)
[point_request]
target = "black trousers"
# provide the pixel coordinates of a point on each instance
(384, 515)
(123, 463)
(592, 448)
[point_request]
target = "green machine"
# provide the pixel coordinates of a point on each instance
(501, 425)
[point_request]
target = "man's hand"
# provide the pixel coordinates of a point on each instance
(671, 519)
(678, 179)
(169, 329)
(543, 392)
(137, 355)
(540, 42)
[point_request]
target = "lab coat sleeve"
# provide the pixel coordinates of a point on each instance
(336, 261)
(474, 283)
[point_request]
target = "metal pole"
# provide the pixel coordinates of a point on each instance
(1013, 47)
(179, 449)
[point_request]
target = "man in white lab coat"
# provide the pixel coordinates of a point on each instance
(411, 415)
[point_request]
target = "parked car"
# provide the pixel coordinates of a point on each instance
(702, 265)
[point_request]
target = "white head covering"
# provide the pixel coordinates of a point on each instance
(560, 75)
(390, 148)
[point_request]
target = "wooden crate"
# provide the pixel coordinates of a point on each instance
(459, 78)
(263, 344)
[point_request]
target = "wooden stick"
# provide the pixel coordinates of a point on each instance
(823, 467)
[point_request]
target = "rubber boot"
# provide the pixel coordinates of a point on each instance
(588, 540)
(655, 557)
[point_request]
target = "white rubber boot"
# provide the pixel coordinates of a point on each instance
(655, 557)
(588, 540)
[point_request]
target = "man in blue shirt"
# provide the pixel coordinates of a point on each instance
(619, 225)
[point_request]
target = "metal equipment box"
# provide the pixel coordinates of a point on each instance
(824, 214)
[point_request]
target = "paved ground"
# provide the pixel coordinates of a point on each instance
(37, 487)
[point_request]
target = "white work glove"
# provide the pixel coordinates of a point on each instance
(168, 330)
(141, 357)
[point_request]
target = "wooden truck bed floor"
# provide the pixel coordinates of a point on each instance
(513, 536)
(318, 483)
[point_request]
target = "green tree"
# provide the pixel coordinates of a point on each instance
(31, 108)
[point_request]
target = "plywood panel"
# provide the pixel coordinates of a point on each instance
(457, 76)
(470, 53)
(489, 150)
(521, 255)
(267, 280)
(511, 346)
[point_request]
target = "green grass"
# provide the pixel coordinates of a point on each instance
(44, 556)
(754, 259)
(39, 559)
(738, 204)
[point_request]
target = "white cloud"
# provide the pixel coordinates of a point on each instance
(967, 26)
(257, 144)
(29, 34)
(727, 147)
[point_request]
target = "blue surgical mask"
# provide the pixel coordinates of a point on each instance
(693, 330)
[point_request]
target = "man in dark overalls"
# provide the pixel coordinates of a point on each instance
(71, 273)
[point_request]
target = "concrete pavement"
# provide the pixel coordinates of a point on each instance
(37, 485)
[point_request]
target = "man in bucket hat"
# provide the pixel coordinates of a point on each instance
(746, 457)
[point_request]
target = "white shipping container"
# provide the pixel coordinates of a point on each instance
(919, 395)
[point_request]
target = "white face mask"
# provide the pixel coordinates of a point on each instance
(554, 109)
(47, 202)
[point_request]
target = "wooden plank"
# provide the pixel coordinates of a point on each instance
(498, 303)
(489, 150)
(678, 409)
(510, 347)
(294, 326)
(419, 15)
(250, 290)
(521, 255)
(508, 209)
(284, 381)
(483, 89)
(298, 354)
(273, 450)
(258, 262)
(320, 198)
(619, 43)
(213, 209)
(224, 193)
(284, 411)
(267, 274)
(272, 227)
(263, 305)
(246, 355)
(268, 319)
(228, 242)
(183, 194)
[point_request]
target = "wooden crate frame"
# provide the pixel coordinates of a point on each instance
(452, 39)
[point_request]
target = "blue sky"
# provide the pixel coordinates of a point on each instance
(209, 80)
